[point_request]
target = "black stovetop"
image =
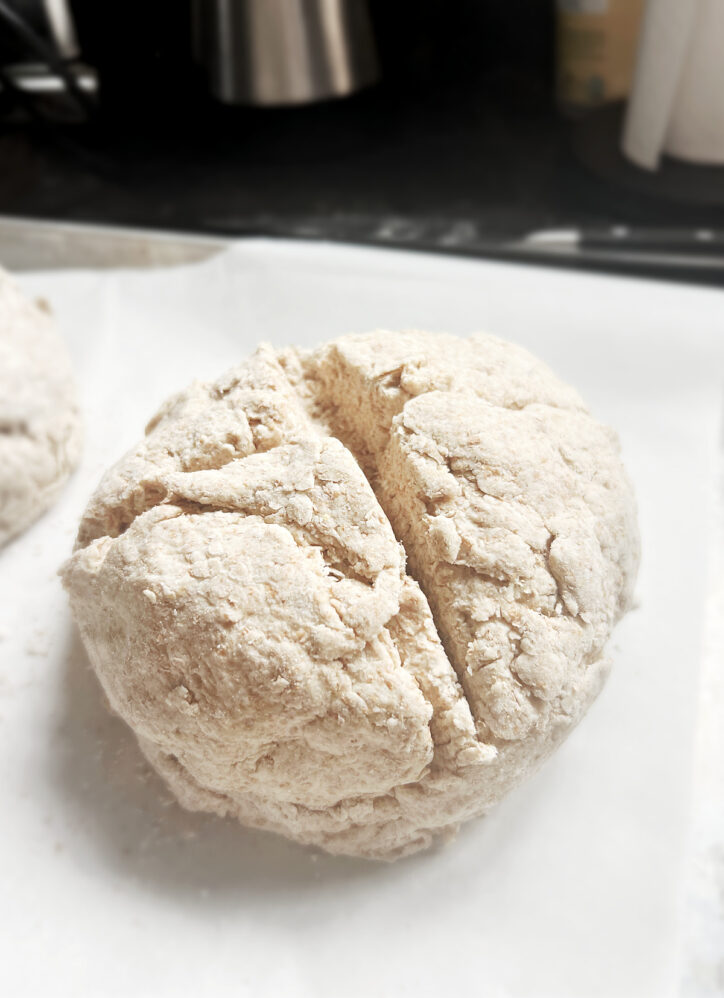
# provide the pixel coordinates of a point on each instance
(465, 165)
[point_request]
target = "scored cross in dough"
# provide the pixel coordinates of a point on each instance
(243, 591)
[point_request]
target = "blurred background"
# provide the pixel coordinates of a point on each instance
(583, 133)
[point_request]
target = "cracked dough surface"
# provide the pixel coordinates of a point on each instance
(358, 659)
(40, 427)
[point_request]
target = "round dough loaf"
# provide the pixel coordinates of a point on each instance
(40, 427)
(355, 595)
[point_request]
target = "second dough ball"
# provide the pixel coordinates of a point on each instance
(40, 425)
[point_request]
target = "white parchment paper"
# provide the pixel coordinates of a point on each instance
(572, 887)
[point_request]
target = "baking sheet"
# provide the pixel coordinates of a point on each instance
(572, 887)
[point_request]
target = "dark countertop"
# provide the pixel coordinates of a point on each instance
(460, 169)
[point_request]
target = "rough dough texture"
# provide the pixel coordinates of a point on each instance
(40, 427)
(249, 607)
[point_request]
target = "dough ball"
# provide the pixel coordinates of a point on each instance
(355, 595)
(40, 427)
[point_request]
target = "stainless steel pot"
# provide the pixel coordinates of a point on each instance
(280, 52)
